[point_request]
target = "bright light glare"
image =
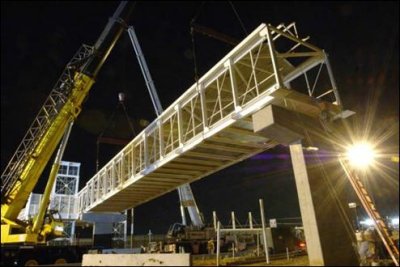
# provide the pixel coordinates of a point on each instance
(395, 221)
(368, 222)
(361, 155)
(59, 228)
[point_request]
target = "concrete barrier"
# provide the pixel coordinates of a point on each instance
(136, 260)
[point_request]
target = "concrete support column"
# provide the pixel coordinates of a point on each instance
(319, 183)
(329, 241)
(307, 211)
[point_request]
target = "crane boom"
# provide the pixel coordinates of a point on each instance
(185, 193)
(38, 222)
(145, 71)
(214, 34)
(61, 107)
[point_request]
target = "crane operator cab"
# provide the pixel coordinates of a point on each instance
(53, 226)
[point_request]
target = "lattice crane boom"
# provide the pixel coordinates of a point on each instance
(61, 108)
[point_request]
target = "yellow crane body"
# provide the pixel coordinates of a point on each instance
(37, 162)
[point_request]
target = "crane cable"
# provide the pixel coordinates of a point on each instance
(192, 21)
(238, 17)
(120, 103)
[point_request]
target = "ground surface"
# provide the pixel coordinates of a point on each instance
(298, 261)
(295, 261)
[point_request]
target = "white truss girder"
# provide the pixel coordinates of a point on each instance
(208, 128)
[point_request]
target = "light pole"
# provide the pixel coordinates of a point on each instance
(353, 205)
(149, 234)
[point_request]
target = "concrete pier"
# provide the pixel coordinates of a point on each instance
(328, 236)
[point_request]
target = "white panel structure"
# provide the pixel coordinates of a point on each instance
(209, 127)
(63, 197)
(31, 207)
(64, 194)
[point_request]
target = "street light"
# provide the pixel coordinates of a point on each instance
(361, 155)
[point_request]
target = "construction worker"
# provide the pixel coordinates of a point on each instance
(210, 246)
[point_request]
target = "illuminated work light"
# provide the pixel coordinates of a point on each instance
(360, 155)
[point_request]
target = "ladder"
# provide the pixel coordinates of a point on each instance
(372, 212)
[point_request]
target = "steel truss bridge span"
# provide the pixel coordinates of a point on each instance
(209, 127)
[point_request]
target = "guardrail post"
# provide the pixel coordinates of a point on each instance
(273, 58)
(229, 65)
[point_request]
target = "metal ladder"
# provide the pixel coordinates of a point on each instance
(372, 212)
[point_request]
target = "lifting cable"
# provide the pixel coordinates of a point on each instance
(196, 75)
(238, 17)
(121, 98)
(193, 20)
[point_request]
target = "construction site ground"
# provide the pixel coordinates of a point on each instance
(297, 261)
(293, 261)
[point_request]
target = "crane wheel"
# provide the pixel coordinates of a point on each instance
(31, 262)
(60, 261)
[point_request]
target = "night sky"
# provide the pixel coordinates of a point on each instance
(39, 38)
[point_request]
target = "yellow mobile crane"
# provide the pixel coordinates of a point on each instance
(53, 121)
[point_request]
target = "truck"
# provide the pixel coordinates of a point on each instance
(25, 243)
(190, 239)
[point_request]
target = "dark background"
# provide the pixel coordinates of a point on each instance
(39, 38)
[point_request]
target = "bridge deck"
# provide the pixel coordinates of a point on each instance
(209, 127)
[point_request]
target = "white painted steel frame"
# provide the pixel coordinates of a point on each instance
(237, 86)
